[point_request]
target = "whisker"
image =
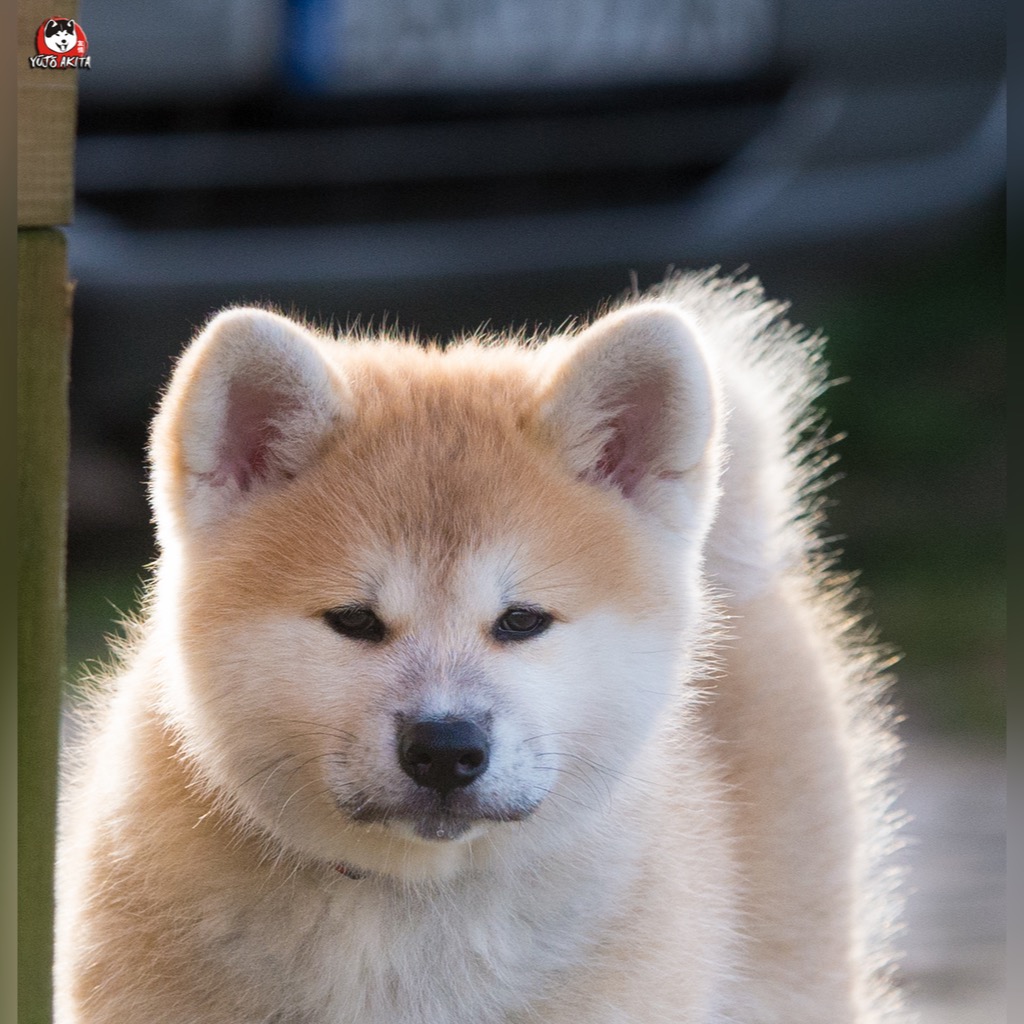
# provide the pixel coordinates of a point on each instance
(580, 776)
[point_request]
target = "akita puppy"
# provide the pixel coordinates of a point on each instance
(499, 684)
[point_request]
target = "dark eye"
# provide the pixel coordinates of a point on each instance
(521, 624)
(356, 622)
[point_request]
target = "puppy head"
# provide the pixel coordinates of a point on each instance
(415, 596)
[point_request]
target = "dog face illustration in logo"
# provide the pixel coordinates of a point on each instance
(60, 34)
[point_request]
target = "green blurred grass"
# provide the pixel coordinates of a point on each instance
(921, 503)
(101, 592)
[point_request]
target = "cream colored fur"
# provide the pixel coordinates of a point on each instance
(684, 816)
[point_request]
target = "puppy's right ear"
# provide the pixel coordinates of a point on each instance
(249, 406)
(633, 407)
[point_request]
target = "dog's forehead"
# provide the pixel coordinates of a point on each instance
(443, 462)
(440, 495)
(443, 411)
(443, 584)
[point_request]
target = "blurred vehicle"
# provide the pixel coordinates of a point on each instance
(454, 160)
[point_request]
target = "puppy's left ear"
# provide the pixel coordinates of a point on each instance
(632, 406)
(249, 407)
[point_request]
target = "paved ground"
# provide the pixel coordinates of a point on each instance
(955, 964)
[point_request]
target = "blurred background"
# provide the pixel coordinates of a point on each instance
(441, 164)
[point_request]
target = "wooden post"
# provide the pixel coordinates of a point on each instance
(46, 126)
(43, 335)
(47, 104)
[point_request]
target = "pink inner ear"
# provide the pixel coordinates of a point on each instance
(629, 453)
(246, 448)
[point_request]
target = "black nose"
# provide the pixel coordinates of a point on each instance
(443, 754)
